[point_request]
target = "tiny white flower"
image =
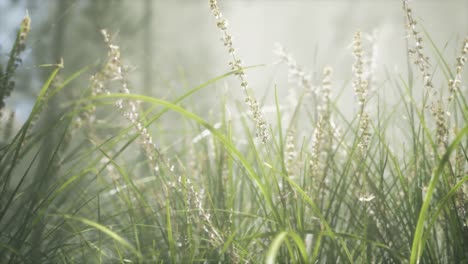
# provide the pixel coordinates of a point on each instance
(367, 198)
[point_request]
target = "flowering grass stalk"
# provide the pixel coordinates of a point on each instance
(237, 66)
(6, 83)
(311, 195)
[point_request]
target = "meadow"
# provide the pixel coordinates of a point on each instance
(100, 181)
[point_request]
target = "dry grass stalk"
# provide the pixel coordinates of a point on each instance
(321, 138)
(437, 107)
(236, 65)
(361, 88)
(296, 73)
(6, 83)
(114, 70)
(455, 83)
(420, 60)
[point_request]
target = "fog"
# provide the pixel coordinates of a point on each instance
(187, 49)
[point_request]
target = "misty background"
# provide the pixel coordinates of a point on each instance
(171, 46)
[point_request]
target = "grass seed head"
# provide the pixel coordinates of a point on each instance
(237, 66)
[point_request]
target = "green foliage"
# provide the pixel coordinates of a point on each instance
(103, 183)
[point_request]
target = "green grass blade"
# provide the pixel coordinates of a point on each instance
(418, 242)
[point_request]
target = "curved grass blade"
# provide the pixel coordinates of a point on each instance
(418, 241)
(106, 231)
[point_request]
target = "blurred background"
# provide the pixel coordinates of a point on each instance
(174, 45)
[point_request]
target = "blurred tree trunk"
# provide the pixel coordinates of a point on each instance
(148, 46)
(47, 160)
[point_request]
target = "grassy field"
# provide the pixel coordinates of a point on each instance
(97, 181)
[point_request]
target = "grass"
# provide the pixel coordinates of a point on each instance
(101, 184)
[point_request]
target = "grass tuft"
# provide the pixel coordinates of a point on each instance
(103, 182)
